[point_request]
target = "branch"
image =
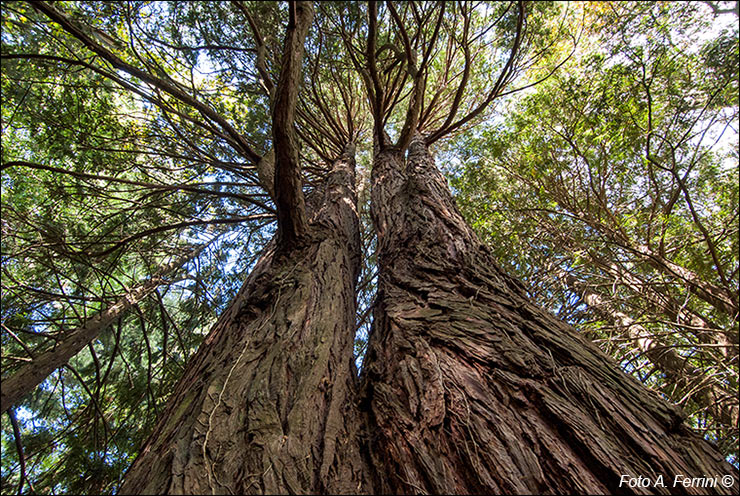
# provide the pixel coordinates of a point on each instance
(416, 73)
(717, 11)
(259, 40)
(495, 92)
(191, 188)
(376, 91)
(291, 205)
(170, 227)
(60, 18)
(34, 373)
(19, 448)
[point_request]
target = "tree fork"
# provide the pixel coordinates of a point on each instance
(267, 404)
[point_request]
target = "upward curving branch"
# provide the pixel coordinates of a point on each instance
(261, 62)
(291, 206)
(505, 76)
(375, 90)
(417, 72)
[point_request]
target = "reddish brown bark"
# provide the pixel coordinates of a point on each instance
(288, 184)
(267, 404)
(473, 389)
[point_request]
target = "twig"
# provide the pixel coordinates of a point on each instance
(19, 447)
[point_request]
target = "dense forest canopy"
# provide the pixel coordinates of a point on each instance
(152, 150)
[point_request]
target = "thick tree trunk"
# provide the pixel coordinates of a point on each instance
(267, 404)
(33, 373)
(472, 389)
(688, 381)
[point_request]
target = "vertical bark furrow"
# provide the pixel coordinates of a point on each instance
(472, 389)
(267, 404)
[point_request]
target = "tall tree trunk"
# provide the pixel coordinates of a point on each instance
(267, 404)
(658, 298)
(689, 382)
(33, 373)
(473, 389)
(720, 297)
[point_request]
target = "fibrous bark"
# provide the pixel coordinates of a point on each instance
(267, 405)
(288, 184)
(473, 389)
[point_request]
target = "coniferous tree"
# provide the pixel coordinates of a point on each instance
(254, 130)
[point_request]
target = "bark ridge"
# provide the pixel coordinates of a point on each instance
(474, 390)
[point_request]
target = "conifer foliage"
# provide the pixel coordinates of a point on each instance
(369, 247)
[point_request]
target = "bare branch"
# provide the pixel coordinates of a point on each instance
(68, 25)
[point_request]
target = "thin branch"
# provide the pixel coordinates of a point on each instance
(68, 25)
(19, 449)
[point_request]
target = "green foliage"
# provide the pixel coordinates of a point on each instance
(104, 181)
(630, 149)
(133, 142)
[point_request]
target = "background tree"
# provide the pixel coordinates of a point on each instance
(106, 179)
